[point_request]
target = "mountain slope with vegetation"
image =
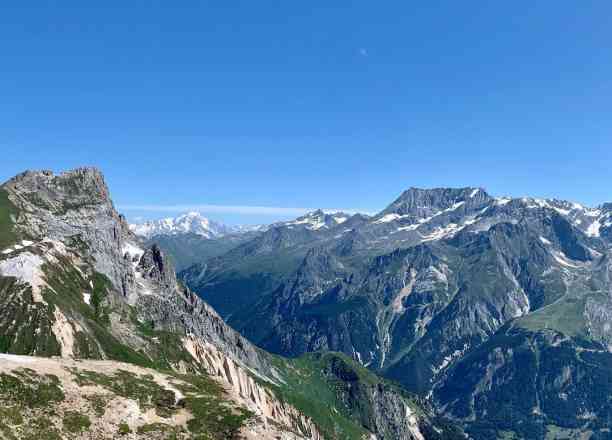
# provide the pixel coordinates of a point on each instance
(185, 250)
(428, 290)
(75, 283)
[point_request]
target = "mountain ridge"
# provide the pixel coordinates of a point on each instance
(415, 290)
(192, 222)
(75, 282)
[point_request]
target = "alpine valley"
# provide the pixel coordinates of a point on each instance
(496, 311)
(98, 340)
(450, 314)
(191, 237)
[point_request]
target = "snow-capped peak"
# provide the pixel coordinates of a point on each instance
(319, 219)
(191, 222)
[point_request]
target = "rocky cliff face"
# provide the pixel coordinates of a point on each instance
(248, 391)
(423, 203)
(74, 204)
(76, 283)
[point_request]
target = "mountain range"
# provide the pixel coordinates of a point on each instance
(496, 310)
(191, 238)
(449, 314)
(195, 223)
(98, 339)
(188, 223)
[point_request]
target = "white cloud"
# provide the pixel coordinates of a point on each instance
(227, 209)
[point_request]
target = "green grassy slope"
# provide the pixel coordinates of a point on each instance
(8, 211)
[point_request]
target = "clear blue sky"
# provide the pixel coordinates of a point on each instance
(310, 104)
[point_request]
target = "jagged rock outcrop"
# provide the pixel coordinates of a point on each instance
(256, 397)
(152, 266)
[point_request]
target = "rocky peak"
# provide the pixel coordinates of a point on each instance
(73, 204)
(190, 222)
(155, 266)
(425, 202)
(319, 219)
(78, 186)
(315, 213)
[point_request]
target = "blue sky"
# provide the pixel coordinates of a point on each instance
(309, 104)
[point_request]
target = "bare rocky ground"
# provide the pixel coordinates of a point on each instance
(98, 399)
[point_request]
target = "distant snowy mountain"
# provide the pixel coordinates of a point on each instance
(191, 222)
(196, 223)
(318, 219)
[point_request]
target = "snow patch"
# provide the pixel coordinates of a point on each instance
(391, 217)
(532, 203)
(317, 225)
(312, 222)
(87, 298)
(545, 241)
(455, 206)
(593, 229)
(563, 260)
(443, 232)
(562, 211)
(592, 213)
(132, 249)
(408, 228)
(388, 218)
(27, 268)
